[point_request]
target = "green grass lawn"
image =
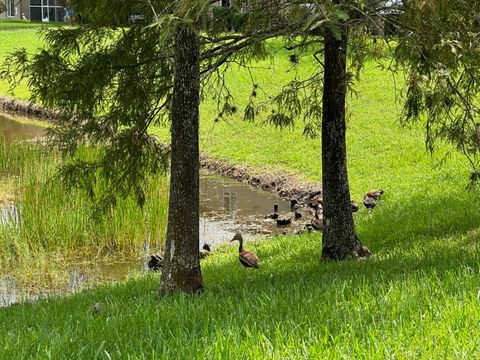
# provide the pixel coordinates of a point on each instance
(417, 300)
(418, 297)
(15, 35)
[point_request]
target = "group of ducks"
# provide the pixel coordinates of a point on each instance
(315, 205)
(246, 258)
(250, 259)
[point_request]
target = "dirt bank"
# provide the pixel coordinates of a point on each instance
(22, 108)
(286, 186)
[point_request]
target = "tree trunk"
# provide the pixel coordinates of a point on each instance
(339, 238)
(182, 262)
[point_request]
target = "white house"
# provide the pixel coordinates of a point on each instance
(34, 10)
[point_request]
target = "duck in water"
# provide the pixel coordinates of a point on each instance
(273, 215)
(247, 258)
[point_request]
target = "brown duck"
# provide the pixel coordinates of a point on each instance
(369, 202)
(205, 251)
(374, 194)
(247, 258)
(354, 206)
(273, 215)
(156, 262)
(316, 198)
(317, 220)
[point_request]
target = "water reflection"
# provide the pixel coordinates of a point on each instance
(8, 291)
(11, 130)
(9, 215)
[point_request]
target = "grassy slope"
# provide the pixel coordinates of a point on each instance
(418, 302)
(417, 298)
(15, 35)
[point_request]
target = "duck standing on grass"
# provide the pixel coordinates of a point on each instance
(371, 197)
(205, 251)
(247, 258)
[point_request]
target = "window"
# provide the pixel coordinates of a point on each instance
(46, 10)
(11, 9)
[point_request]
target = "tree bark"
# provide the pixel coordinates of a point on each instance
(340, 240)
(182, 262)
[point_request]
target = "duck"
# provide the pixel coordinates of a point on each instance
(247, 258)
(317, 220)
(354, 206)
(317, 198)
(374, 193)
(156, 262)
(294, 205)
(369, 202)
(284, 221)
(297, 214)
(205, 251)
(273, 215)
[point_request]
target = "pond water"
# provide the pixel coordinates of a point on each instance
(226, 207)
(13, 131)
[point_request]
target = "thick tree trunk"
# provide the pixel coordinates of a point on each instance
(182, 262)
(339, 238)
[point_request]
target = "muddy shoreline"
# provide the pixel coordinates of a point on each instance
(285, 186)
(26, 109)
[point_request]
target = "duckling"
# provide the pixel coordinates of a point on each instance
(374, 194)
(369, 202)
(354, 206)
(156, 262)
(273, 215)
(205, 251)
(246, 258)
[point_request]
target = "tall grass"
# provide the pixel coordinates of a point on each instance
(52, 219)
